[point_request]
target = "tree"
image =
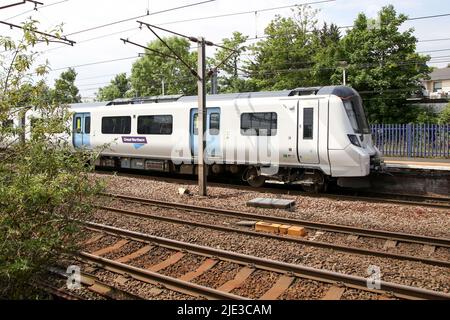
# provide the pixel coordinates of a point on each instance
(152, 72)
(444, 116)
(327, 54)
(284, 59)
(118, 88)
(230, 79)
(43, 184)
(65, 90)
(383, 65)
(422, 114)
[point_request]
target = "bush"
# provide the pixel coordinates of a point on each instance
(44, 185)
(444, 116)
(41, 190)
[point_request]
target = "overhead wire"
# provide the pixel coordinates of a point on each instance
(107, 61)
(140, 16)
(41, 7)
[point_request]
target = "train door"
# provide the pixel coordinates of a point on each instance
(308, 131)
(213, 145)
(81, 130)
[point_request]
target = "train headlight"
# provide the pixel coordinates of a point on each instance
(354, 140)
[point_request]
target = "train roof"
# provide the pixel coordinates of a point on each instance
(341, 91)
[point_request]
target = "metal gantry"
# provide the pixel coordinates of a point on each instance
(58, 39)
(36, 3)
(201, 75)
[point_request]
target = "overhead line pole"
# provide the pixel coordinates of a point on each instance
(202, 115)
(201, 76)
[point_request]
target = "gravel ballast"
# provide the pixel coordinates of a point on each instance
(403, 272)
(390, 217)
(385, 216)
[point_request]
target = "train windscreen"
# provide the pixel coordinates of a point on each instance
(355, 112)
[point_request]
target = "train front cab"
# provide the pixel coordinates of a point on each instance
(351, 149)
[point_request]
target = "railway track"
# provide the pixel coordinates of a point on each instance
(346, 195)
(55, 292)
(399, 199)
(96, 286)
(429, 243)
(286, 273)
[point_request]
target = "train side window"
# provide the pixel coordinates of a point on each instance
(308, 123)
(161, 124)
(259, 124)
(77, 125)
(87, 125)
(116, 125)
(214, 124)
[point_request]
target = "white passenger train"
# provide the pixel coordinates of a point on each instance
(306, 136)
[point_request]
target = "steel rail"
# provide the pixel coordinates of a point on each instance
(380, 199)
(56, 292)
(95, 285)
(373, 233)
(157, 278)
(360, 283)
(313, 243)
(444, 203)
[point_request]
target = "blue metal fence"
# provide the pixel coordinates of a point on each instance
(412, 140)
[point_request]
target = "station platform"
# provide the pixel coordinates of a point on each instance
(418, 163)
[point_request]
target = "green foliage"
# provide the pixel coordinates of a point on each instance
(65, 90)
(444, 116)
(380, 58)
(118, 88)
(383, 65)
(283, 59)
(327, 54)
(43, 183)
(149, 71)
(418, 114)
(230, 64)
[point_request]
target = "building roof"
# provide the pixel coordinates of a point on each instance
(440, 74)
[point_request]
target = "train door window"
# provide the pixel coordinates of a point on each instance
(308, 123)
(116, 125)
(87, 125)
(214, 124)
(160, 124)
(78, 124)
(196, 124)
(259, 124)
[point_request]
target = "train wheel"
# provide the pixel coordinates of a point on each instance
(257, 182)
(253, 178)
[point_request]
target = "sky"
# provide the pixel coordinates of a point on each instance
(101, 44)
